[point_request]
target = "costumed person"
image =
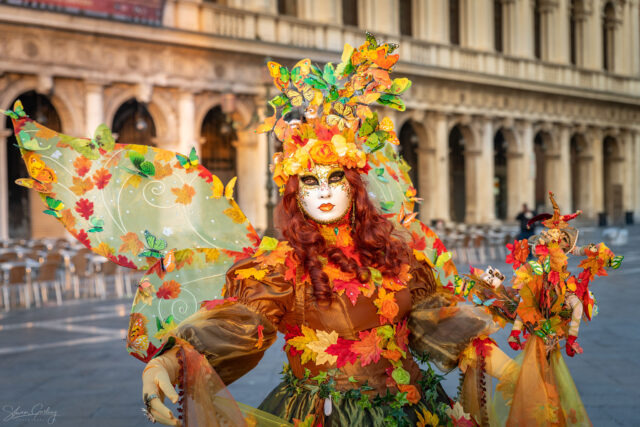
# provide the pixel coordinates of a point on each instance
(360, 288)
(552, 302)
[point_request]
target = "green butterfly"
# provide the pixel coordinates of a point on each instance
(442, 259)
(380, 175)
(97, 224)
(369, 125)
(547, 264)
(154, 246)
(18, 111)
(536, 267)
(616, 261)
(90, 148)
(189, 162)
(387, 206)
(162, 325)
(25, 142)
(373, 43)
(144, 167)
(55, 206)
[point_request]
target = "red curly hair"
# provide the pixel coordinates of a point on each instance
(375, 239)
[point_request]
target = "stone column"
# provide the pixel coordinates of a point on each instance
(509, 28)
(562, 170)
(597, 180)
(186, 123)
(486, 171)
(436, 202)
(94, 107)
(328, 11)
(383, 15)
(437, 21)
(527, 169)
(592, 40)
(634, 38)
(251, 150)
(636, 176)
(522, 30)
(4, 185)
(627, 171)
(477, 24)
(558, 32)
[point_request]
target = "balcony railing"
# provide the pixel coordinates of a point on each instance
(292, 32)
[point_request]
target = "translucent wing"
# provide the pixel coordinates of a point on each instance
(391, 188)
(130, 189)
(164, 299)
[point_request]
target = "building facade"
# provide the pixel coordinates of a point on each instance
(510, 98)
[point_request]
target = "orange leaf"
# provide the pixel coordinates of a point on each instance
(104, 249)
(368, 347)
(68, 219)
(82, 165)
(162, 170)
(169, 290)
(101, 178)
(81, 186)
(131, 243)
(163, 156)
(184, 194)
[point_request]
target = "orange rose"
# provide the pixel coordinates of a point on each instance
(413, 395)
(323, 153)
(389, 309)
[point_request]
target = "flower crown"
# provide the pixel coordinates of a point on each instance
(324, 116)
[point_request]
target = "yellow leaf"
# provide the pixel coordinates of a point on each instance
(267, 126)
(104, 249)
(210, 254)
(235, 213)
(131, 243)
(217, 188)
(81, 186)
(228, 192)
(320, 345)
(142, 149)
(163, 155)
(185, 194)
(245, 273)
(133, 180)
(300, 344)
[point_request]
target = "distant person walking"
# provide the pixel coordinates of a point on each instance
(524, 217)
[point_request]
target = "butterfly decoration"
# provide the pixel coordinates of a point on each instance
(545, 329)
(25, 142)
(380, 175)
(280, 75)
(144, 168)
(101, 142)
(55, 206)
(17, 113)
(387, 206)
(344, 116)
(536, 267)
(476, 300)
(189, 162)
(546, 264)
(40, 187)
(154, 246)
(462, 286)
(616, 261)
(169, 261)
(41, 176)
(97, 224)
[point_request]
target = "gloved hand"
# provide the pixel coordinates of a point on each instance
(572, 346)
(514, 340)
(157, 379)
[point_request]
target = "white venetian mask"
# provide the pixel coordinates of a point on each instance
(324, 194)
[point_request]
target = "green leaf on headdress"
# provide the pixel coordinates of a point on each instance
(369, 126)
(333, 94)
(286, 108)
(400, 85)
(316, 82)
(316, 70)
(387, 206)
(278, 101)
(329, 74)
(392, 101)
(346, 67)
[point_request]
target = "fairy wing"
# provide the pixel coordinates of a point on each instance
(390, 186)
(132, 192)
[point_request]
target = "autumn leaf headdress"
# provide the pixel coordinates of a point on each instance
(557, 222)
(324, 115)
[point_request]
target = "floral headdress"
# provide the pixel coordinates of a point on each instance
(324, 116)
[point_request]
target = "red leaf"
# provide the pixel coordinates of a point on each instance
(169, 290)
(402, 335)
(124, 261)
(342, 349)
(292, 266)
(439, 246)
(83, 237)
(368, 347)
(205, 174)
(82, 165)
(211, 304)
(101, 178)
(292, 332)
(351, 288)
(85, 208)
(418, 242)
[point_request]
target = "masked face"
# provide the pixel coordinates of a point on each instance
(324, 193)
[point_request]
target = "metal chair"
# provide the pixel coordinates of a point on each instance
(19, 277)
(107, 271)
(48, 277)
(82, 272)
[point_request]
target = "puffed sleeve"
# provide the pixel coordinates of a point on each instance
(234, 334)
(438, 325)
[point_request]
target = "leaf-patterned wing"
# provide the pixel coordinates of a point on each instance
(164, 299)
(391, 189)
(131, 189)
